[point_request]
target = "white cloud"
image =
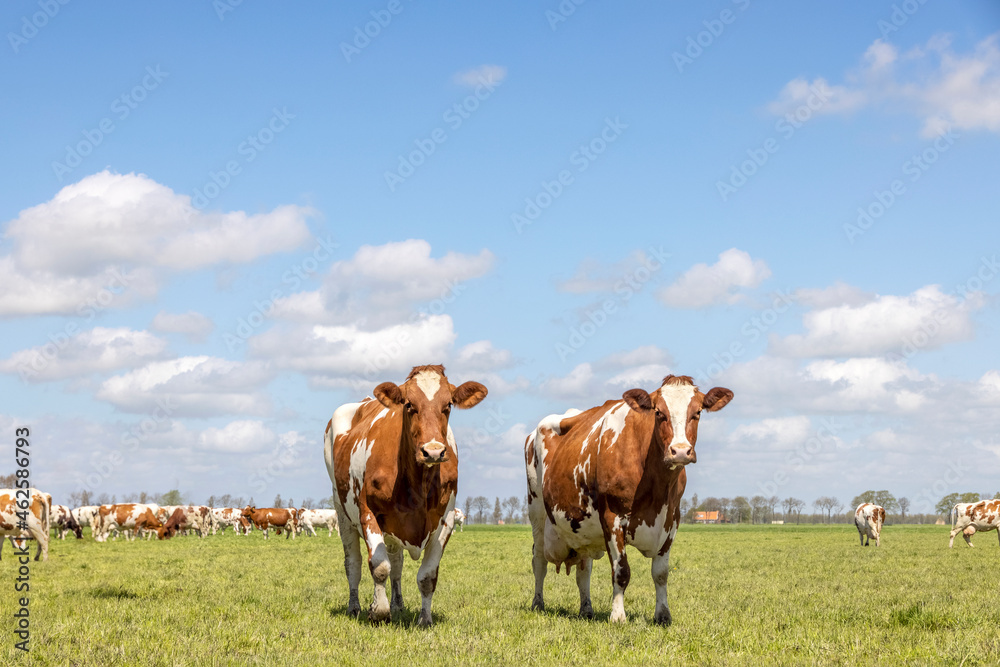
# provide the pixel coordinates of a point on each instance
(65, 251)
(947, 90)
(239, 437)
(482, 356)
(383, 284)
(194, 325)
(776, 433)
(95, 351)
(594, 276)
(703, 285)
(337, 356)
(926, 319)
(484, 75)
(191, 386)
(838, 294)
(577, 384)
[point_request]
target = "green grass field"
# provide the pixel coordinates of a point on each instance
(771, 595)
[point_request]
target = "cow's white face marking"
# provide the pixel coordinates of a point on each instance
(428, 382)
(678, 399)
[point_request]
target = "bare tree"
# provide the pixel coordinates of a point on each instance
(822, 503)
(482, 505)
(512, 509)
(468, 508)
(8, 481)
(759, 505)
(210, 502)
(904, 507)
(277, 501)
(772, 503)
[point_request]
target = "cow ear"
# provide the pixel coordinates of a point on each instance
(468, 395)
(638, 400)
(716, 399)
(389, 395)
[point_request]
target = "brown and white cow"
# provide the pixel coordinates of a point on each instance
(63, 521)
(186, 517)
(33, 521)
(309, 519)
(613, 476)
(460, 520)
(973, 517)
(393, 462)
(126, 517)
(227, 516)
(868, 518)
(266, 517)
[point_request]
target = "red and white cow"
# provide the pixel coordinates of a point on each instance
(265, 517)
(460, 520)
(613, 476)
(187, 517)
(394, 467)
(868, 518)
(126, 517)
(982, 516)
(62, 519)
(227, 516)
(325, 518)
(33, 521)
(85, 516)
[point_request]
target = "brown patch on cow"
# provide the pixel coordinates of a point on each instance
(329, 425)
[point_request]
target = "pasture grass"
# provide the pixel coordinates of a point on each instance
(740, 595)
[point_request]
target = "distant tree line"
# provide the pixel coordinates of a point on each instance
(509, 510)
(827, 509)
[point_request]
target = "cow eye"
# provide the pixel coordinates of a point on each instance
(446, 409)
(409, 407)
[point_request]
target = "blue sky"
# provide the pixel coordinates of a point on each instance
(220, 223)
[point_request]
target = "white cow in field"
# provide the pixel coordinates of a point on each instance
(868, 518)
(309, 519)
(460, 520)
(972, 517)
(227, 516)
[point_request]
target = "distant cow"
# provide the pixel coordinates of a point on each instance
(85, 516)
(460, 520)
(34, 521)
(227, 516)
(613, 476)
(981, 516)
(265, 517)
(63, 521)
(186, 517)
(325, 518)
(127, 517)
(393, 462)
(869, 517)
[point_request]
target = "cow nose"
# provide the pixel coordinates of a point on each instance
(433, 452)
(682, 453)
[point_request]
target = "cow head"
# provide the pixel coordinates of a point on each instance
(677, 406)
(426, 399)
(248, 511)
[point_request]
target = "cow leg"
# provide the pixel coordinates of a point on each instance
(583, 571)
(621, 573)
(378, 565)
(427, 575)
(396, 579)
(352, 566)
(539, 565)
(661, 571)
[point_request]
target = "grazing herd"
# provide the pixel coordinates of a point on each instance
(599, 480)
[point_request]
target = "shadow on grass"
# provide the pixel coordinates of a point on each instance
(572, 613)
(404, 618)
(114, 593)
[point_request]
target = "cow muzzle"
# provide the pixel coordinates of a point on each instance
(433, 453)
(680, 454)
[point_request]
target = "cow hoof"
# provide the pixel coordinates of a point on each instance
(587, 612)
(618, 617)
(354, 610)
(663, 618)
(425, 620)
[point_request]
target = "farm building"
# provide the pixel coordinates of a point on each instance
(708, 517)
